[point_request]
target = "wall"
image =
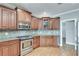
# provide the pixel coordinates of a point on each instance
(70, 15)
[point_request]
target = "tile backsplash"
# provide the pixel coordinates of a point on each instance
(14, 34)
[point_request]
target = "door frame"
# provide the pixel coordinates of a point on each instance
(76, 32)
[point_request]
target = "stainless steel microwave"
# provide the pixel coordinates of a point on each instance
(24, 26)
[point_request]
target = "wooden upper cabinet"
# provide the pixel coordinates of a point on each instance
(0, 18)
(35, 23)
(40, 24)
(23, 16)
(55, 24)
(27, 17)
(20, 15)
(12, 19)
(5, 18)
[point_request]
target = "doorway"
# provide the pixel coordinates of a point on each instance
(68, 36)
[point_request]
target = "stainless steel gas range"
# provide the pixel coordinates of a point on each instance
(25, 45)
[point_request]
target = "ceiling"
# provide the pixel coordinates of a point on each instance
(47, 9)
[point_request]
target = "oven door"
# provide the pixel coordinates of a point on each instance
(26, 44)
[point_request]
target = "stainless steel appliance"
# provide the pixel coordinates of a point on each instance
(23, 25)
(26, 45)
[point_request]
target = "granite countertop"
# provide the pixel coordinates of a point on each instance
(13, 38)
(2, 40)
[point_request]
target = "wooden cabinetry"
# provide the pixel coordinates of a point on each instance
(36, 41)
(48, 41)
(23, 16)
(47, 23)
(20, 15)
(9, 48)
(54, 23)
(28, 17)
(0, 18)
(14, 50)
(5, 51)
(35, 23)
(1, 51)
(12, 20)
(40, 24)
(7, 18)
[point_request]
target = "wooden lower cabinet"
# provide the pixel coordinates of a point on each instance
(14, 50)
(1, 52)
(10, 49)
(5, 50)
(36, 41)
(48, 41)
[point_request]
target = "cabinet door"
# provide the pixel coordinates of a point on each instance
(0, 18)
(12, 20)
(6, 51)
(40, 24)
(35, 24)
(56, 24)
(14, 50)
(5, 20)
(36, 42)
(51, 24)
(54, 41)
(21, 15)
(27, 17)
(0, 51)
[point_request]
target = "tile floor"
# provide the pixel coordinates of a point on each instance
(53, 51)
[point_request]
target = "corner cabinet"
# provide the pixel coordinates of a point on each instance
(7, 18)
(10, 48)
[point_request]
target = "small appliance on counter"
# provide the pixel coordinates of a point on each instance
(26, 44)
